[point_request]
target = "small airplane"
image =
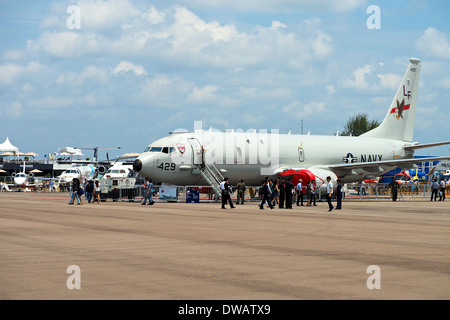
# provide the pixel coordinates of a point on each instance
(21, 179)
(194, 158)
(77, 152)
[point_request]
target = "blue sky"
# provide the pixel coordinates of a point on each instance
(136, 70)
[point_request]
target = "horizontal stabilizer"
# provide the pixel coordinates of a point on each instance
(426, 145)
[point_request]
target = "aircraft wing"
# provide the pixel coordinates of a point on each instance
(386, 163)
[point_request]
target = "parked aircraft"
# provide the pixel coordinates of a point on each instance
(21, 180)
(120, 169)
(82, 172)
(201, 157)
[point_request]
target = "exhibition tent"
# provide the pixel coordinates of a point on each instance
(7, 146)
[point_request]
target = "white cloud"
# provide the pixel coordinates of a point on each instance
(322, 44)
(205, 94)
(11, 72)
(100, 14)
(278, 24)
(126, 66)
(435, 43)
(390, 80)
(279, 5)
(358, 79)
(296, 107)
(154, 16)
(164, 91)
(90, 74)
(66, 44)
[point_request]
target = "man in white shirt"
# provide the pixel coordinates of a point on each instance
(299, 190)
(329, 192)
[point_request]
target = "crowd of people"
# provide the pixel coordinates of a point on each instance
(91, 190)
(282, 193)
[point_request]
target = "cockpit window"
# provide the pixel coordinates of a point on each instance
(160, 149)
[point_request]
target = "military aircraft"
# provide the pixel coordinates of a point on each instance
(203, 157)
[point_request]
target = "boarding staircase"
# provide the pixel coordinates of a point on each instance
(213, 176)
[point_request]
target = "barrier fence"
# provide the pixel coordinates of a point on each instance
(352, 192)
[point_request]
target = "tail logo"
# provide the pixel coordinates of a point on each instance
(400, 108)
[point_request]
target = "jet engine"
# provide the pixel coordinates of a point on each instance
(101, 170)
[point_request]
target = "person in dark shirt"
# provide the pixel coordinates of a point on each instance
(288, 187)
(282, 194)
(394, 188)
(266, 196)
(339, 195)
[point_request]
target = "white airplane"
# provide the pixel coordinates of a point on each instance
(71, 151)
(21, 179)
(82, 172)
(186, 158)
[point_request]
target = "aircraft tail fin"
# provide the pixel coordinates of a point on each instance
(399, 121)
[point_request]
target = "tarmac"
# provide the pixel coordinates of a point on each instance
(177, 251)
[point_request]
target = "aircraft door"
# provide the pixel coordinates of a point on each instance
(197, 151)
(301, 154)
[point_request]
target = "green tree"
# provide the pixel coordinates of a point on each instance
(359, 124)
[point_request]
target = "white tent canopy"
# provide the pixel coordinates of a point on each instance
(7, 146)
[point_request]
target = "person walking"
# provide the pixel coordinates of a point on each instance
(266, 196)
(394, 188)
(75, 191)
(434, 189)
(97, 192)
(150, 192)
(240, 191)
(339, 195)
(363, 188)
(146, 192)
(275, 193)
(288, 188)
(299, 189)
(329, 193)
(226, 190)
(442, 189)
(312, 193)
(89, 188)
(281, 193)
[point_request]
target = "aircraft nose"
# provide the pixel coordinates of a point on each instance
(137, 165)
